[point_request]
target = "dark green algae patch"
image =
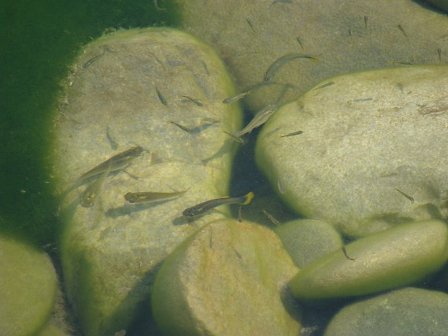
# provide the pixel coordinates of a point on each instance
(38, 41)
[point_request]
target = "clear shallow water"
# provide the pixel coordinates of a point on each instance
(38, 40)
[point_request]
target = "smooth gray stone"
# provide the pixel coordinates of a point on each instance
(308, 239)
(344, 35)
(372, 152)
(160, 89)
(404, 312)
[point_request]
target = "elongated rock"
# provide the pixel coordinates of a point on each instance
(404, 312)
(149, 101)
(371, 154)
(396, 257)
(228, 279)
(308, 239)
(342, 35)
(27, 288)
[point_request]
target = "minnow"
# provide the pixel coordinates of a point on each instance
(89, 195)
(291, 134)
(271, 218)
(439, 53)
(366, 18)
(116, 163)
(324, 85)
(299, 41)
(113, 143)
(259, 119)
(344, 251)
(161, 97)
(193, 100)
(203, 207)
(402, 30)
(281, 61)
(149, 196)
(248, 91)
(237, 139)
(250, 24)
(410, 198)
(93, 59)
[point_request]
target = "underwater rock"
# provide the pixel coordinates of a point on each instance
(396, 257)
(308, 239)
(228, 279)
(144, 107)
(27, 288)
(371, 153)
(342, 35)
(404, 312)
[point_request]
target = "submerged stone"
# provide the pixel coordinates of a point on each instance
(150, 99)
(371, 154)
(308, 239)
(228, 279)
(342, 35)
(396, 257)
(404, 312)
(27, 288)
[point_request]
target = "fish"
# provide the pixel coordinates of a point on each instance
(161, 97)
(410, 198)
(203, 207)
(89, 195)
(115, 163)
(291, 134)
(281, 61)
(149, 196)
(260, 118)
(248, 91)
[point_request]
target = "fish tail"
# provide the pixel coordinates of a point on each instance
(247, 199)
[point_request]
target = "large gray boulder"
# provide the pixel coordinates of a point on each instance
(156, 95)
(372, 153)
(344, 35)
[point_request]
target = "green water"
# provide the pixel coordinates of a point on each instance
(38, 40)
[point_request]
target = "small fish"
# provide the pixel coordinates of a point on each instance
(439, 53)
(366, 18)
(203, 207)
(193, 100)
(299, 41)
(93, 59)
(237, 139)
(271, 218)
(89, 195)
(291, 134)
(410, 198)
(250, 24)
(260, 118)
(281, 61)
(248, 91)
(149, 196)
(400, 27)
(346, 254)
(161, 97)
(324, 85)
(116, 163)
(112, 142)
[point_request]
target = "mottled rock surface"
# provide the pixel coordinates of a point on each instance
(159, 89)
(404, 312)
(308, 239)
(228, 279)
(27, 288)
(396, 257)
(372, 153)
(344, 35)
